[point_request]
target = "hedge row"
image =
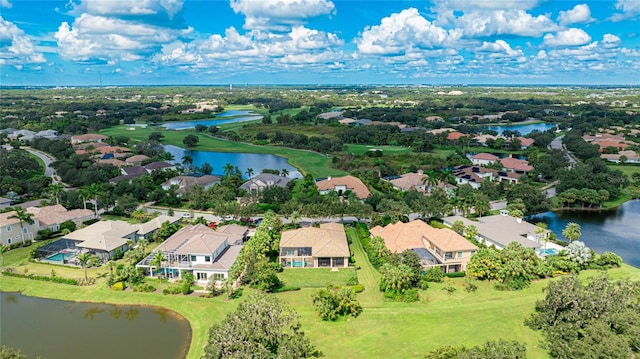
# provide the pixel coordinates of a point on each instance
(42, 278)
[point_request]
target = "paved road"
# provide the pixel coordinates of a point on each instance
(47, 159)
(556, 144)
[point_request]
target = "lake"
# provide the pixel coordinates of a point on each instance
(58, 329)
(242, 117)
(615, 231)
(523, 129)
(256, 161)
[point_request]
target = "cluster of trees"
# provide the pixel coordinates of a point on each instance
(600, 319)
(335, 302)
(299, 140)
(499, 349)
(21, 173)
(514, 266)
(261, 327)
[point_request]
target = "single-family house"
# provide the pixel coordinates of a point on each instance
(483, 159)
(185, 183)
(409, 181)
(455, 135)
(148, 229)
(440, 247)
(5, 202)
(343, 184)
(312, 247)
(264, 180)
(11, 232)
(631, 157)
(136, 160)
(502, 229)
(474, 175)
(52, 216)
(526, 142)
(89, 137)
(105, 238)
(515, 165)
(198, 249)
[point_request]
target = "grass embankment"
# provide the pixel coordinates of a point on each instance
(304, 161)
(386, 150)
(40, 161)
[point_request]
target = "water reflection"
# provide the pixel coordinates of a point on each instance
(523, 129)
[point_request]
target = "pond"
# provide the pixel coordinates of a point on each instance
(615, 231)
(524, 129)
(242, 116)
(256, 161)
(58, 329)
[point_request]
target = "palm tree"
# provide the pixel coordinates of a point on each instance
(143, 244)
(157, 260)
(24, 217)
(228, 169)
(295, 218)
(447, 176)
(249, 172)
(84, 193)
(3, 249)
(572, 231)
(56, 189)
(84, 259)
(284, 172)
(431, 180)
(94, 191)
(139, 214)
(481, 204)
(187, 161)
(379, 162)
(111, 264)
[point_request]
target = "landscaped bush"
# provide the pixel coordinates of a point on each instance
(118, 286)
(144, 287)
(358, 288)
(560, 263)
(42, 278)
(174, 289)
(286, 288)
(455, 274)
(334, 302)
(90, 222)
(434, 274)
(609, 259)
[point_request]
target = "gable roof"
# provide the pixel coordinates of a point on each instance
(57, 214)
(329, 240)
(103, 235)
(526, 142)
(455, 135)
(516, 164)
(351, 183)
(155, 223)
(194, 239)
(136, 159)
(186, 182)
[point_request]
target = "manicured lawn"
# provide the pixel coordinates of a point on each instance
(617, 201)
(305, 161)
(628, 170)
(442, 152)
(386, 150)
(315, 277)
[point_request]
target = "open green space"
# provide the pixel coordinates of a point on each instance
(386, 150)
(315, 277)
(305, 161)
(442, 152)
(628, 170)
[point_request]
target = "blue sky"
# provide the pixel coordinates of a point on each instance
(158, 42)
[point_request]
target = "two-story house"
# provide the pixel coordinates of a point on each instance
(52, 216)
(440, 247)
(343, 184)
(198, 249)
(11, 232)
(312, 247)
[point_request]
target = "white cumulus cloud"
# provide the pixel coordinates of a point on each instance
(280, 14)
(610, 41)
(504, 22)
(500, 48)
(403, 32)
(569, 37)
(127, 7)
(630, 10)
(580, 14)
(5, 3)
(15, 47)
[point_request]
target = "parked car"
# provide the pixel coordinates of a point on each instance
(186, 215)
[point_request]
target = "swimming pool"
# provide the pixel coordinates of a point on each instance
(549, 251)
(60, 256)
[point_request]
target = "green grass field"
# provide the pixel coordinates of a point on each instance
(386, 150)
(315, 277)
(383, 330)
(305, 161)
(628, 170)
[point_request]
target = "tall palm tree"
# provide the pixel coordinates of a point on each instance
(572, 231)
(284, 172)
(56, 189)
(3, 249)
(481, 204)
(157, 260)
(228, 169)
(447, 176)
(24, 217)
(94, 191)
(379, 162)
(139, 214)
(295, 218)
(84, 259)
(249, 172)
(187, 162)
(143, 244)
(431, 180)
(84, 193)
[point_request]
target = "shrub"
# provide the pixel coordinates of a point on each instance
(56, 279)
(449, 287)
(352, 280)
(470, 286)
(559, 263)
(411, 296)
(144, 287)
(286, 288)
(118, 286)
(609, 259)
(90, 222)
(578, 252)
(334, 302)
(174, 289)
(69, 224)
(358, 288)
(434, 274)
(455, 274)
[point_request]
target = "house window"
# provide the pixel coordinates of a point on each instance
(459, 254)
(448, 255)
(289, 252)
(218, 276)
(193, 258)
(201, 276)
(338, 262)
(8, 228)
(207, 259)
(473, 252)
(324, 262)
(9, 241)
(438, 251)
(25, 230)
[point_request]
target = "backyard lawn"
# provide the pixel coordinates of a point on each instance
(315, 277)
